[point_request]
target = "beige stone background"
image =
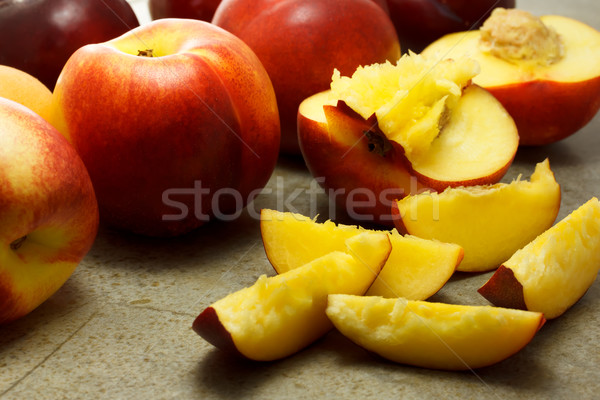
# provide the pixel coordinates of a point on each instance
(120, 328)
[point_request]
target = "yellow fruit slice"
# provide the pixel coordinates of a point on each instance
(416, 268)
(433, 335)
(280, 315)
(489, 222)
(555, 270)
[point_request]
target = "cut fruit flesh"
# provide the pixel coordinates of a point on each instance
(580, 62)
(479, 141)
(550, 97)
(476, 145)
(280, 315)
(433, 335)
(555, 270)
(416, 268)
(489, 222)
(410, 99)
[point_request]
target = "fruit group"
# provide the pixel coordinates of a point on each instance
(420, 22)
(176, 122)
(203, 10)
(555, 270)
(545, 71)
(514, 214)
(25, 89)
(300, 42)
(48, 212)
(433, 335)
(416, 268)
(40, 35)
(389, 131)
(280, 315)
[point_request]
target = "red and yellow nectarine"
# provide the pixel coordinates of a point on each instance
(48, 211)
(176, 122)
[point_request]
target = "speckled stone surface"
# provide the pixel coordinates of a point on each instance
(120, 328)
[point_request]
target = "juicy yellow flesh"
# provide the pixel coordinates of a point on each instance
(478, 141)
(279, 315)
(517, 36)
(415, 269)
(314, 109)
(581, 44)
(411, 99)
(433, 335)
(558, 267)
(489, 222)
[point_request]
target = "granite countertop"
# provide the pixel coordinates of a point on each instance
(120, 328)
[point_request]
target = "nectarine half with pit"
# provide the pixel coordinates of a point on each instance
(416, 268)
(433, 335)
(545, 71)
(489, 222)
(555, 270)
(282, 314)
(393, 130)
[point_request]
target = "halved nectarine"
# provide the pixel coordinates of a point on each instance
(416, 268)
(392, 130)
(545, 71)
(433, 335)
(555, 270)
(282, 314)
(489, 222)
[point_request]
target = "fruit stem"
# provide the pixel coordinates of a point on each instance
(378, 143)
(18, 243)
(146, 53)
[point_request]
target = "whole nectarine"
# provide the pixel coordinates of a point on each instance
(300, 42)
(176, 122)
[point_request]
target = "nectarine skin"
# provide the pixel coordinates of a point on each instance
(203, 10)
(208, 326)
(161, 136)
(560, 116)
(504, 290)
(350, 158)
(48, 211)
(40, 35)
(300, 42)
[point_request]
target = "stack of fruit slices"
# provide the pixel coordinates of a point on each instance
(373, 285)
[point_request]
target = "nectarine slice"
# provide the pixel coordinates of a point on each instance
(489, 222)
(433, 335)
(555, 270)
(392, 130)
(282, 314)
(416, 268)
(545, 71)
